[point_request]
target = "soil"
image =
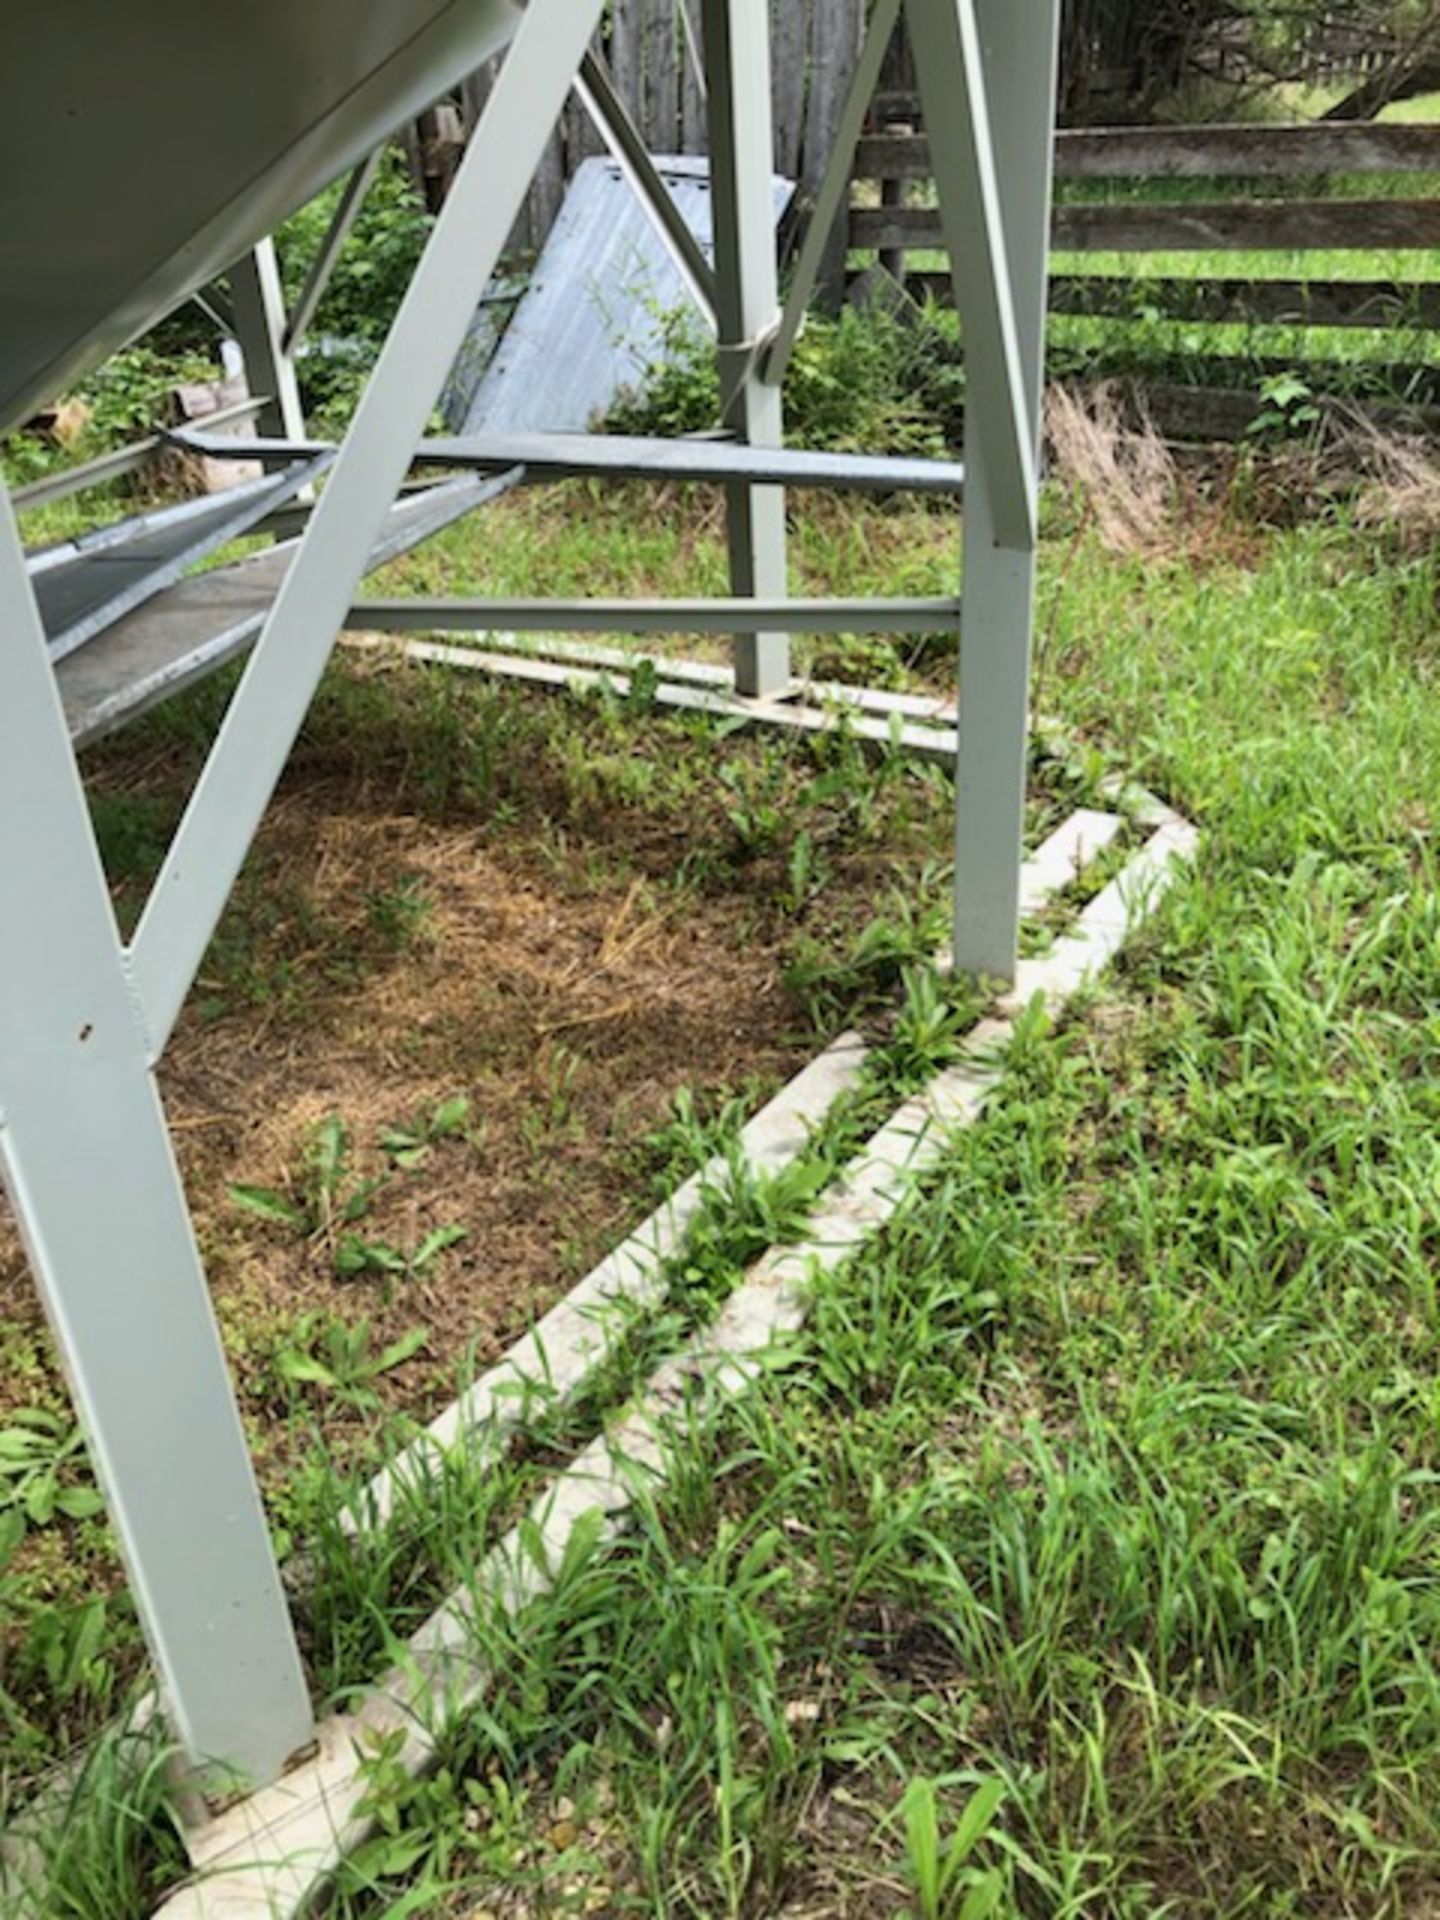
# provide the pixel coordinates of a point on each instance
(390, 963)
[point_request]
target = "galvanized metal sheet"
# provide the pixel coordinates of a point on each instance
(192, 629)
(594, 316)
(88, 584)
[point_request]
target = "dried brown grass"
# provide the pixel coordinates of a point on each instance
(1400, 493)
(1104, 444)
(570, 1006)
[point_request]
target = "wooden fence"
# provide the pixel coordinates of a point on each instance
(654, 52)
(1300, 220)
(1337, 49)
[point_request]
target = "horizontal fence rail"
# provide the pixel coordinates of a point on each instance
(1390, 304)
(1191, 153)
(1251, 226)
(1307, 303)
(1245, 213)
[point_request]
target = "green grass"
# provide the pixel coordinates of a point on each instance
(1426, 109)
(1110, 1474)
(1367, 263)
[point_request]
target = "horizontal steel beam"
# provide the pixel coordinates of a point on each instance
(121, 460)
(656, 616)
(94, 473)
(621, 456)
(614, 456)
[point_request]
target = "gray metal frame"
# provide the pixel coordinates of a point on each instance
(115, 464)
(834, 189)
(551, 456)
(322, 267)
(258, 303)
(284, 670)
(83, 1143)
(88, 1165)
(997, 127)
(737, 63)
(627, 147)
(86, 585)
(740, 614)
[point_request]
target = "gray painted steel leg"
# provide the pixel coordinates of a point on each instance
(948, 43)
(86, 1159)
(280, 681)
(834, 188)
(1019, 47)
(737, 58)
(322, 267)
(260, 327)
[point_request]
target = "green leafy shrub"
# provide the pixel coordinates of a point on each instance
(42, 1464)
(865, 380)
(126, 398)
(366, 288)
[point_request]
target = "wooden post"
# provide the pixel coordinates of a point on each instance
(837, 29)
(893, 194)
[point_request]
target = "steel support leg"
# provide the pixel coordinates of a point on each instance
(834, 189)
(86, 1159)
(322, 267)
(1019, 49)
(260, 327)
(300, 630)
(737, 61)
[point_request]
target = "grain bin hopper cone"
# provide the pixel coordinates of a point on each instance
(145, 148)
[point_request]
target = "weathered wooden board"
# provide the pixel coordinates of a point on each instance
(836, 32)
(1226, 413)
(1264, 226)
(1310, 303)
(662, 75)
(789, 52)
(692, 96)
(1195, 153)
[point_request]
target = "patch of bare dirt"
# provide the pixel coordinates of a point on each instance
(567, 1003)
